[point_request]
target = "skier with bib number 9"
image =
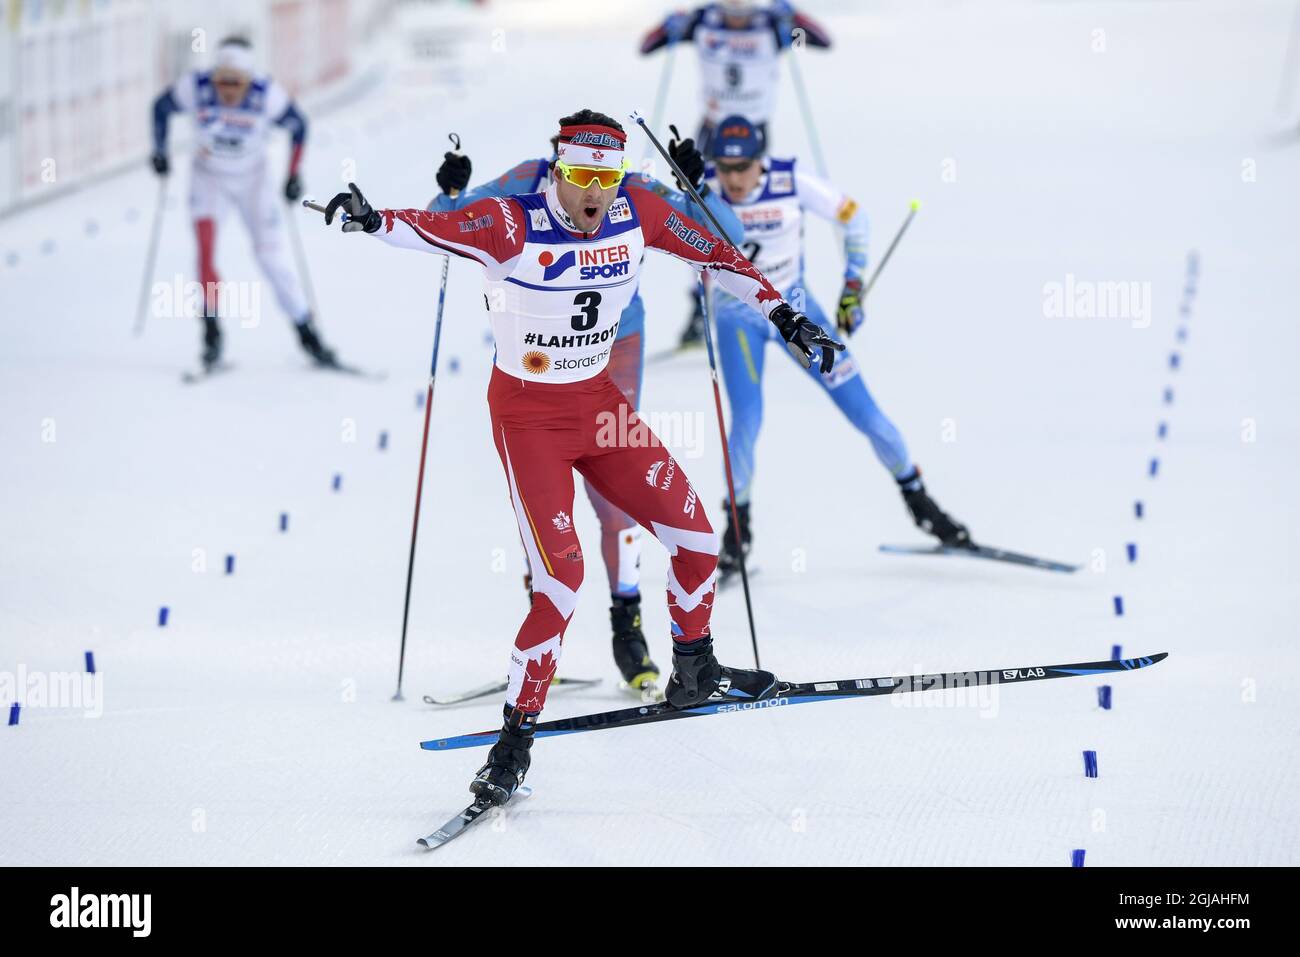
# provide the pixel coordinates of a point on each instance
(559, 268)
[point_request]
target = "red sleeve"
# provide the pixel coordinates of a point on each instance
(814, 32)
(489, 231)
(676, 234)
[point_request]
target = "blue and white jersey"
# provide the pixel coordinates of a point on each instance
(231, 139)
(773, 218)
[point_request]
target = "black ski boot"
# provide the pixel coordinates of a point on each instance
(211, 342)
(697, 676)
(631, 653)
(507, 763)
(729, 559)
(928, 516)
(312, 345)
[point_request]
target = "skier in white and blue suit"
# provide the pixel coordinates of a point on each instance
(772, 197)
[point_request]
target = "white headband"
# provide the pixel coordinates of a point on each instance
(599, 156)
(234, 56)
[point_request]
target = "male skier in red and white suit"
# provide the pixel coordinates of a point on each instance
(559, 267)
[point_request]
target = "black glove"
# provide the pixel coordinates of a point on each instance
(687, 158)
(803, 337)
(160, 164)
(453, 174)
(292, 188)
(360, 215)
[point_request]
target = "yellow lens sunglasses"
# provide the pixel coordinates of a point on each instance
(584, 176)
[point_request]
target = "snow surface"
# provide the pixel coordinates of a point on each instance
(257, 726)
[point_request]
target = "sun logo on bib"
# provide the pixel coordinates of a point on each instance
(536, 362)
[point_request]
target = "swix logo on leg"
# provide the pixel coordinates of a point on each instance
(689, 507)
(562, 521)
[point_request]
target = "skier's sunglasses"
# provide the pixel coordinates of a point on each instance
(740, 167)
(584, 176)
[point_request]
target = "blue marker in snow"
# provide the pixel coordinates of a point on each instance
(338, 481)
(383, 441)
(1119, 605)
(1132, 550)
(1174, 359)
(1076, 857)
(1169, 396)
(1103, 697)
(1162, 430)
(1137, 509)
(1116, 652)
(230, 564)
(1090, 764)
(162, 616)
(13, 714)
(284, 521)
(1154, 467)
(90, 662)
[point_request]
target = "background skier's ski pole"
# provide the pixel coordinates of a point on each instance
(303, 271)
(713, 374)
(916, 204)
(142, 305)
(813, 140)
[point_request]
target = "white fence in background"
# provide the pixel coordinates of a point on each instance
(78, 77)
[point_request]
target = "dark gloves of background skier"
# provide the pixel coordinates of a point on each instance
(160, 164)
(803, 337)
(359, 214)
(292, 188)
(688, 159)
(453, 175)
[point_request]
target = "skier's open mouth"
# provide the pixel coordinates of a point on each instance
(590, 211)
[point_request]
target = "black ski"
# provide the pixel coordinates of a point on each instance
(347, 369)
(499, 687)
(982, 551)
(728, 700)
(203, 373)
(459, 824)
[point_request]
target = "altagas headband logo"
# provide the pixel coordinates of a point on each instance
(591, 138)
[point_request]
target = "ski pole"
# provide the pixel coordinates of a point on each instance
(808, 121)
(713, 372)
(916, 204)
(419, 485)
(151, 259)
(706, 297)
(424, 448)
(303, 272)
(661, 97)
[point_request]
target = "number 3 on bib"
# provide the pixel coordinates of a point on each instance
(589, 302)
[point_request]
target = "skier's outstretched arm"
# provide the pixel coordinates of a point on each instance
(675, 28)
(671, 232)
(489, 231)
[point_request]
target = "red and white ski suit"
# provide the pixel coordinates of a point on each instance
(554, 298)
